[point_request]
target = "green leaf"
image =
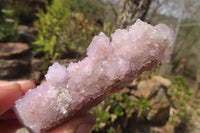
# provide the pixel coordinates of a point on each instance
(187, 97)
(118, 111)
(104, 116)
(182, 103)
(198, 113)
(110, 130)
(196, 102)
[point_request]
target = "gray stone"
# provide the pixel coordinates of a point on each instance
(146, 89)
(13, 68)
(124, 91)
(36, 64)
(194, 123)
(159, 108)
(154, 90)
(14, 60)
(165, 82)
(12, 50)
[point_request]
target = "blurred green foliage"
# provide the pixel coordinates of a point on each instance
(50, 29)
(120, 107)
(143, 105)
(180, 95)
(115, 107)
(110, 130)
(23, 11)
(64, 28)
(90, 8)
(8, 26)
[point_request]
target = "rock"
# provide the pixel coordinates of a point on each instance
(27, 34)
(13, 68)
(36, 64)
(194, 123)
(154, 90)
(142, 126)
(159, 108)
(167, 128)
(165, 82)
(100, 74)
(22, 29)
(27, 38)
(14, 60)
(12, 50)
(134, 83)
(146, 89)
(133, 98)
(124, 91)
(9, 20)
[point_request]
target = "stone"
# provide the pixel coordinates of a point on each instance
(14, 60)
(10, 69)
(133, 98)
(132, 84)
(143, 126)
(164, 81)
(36, 64)
(159, 108)
(166, 128)
(27, 34)
(22, 29)
(146, 89)
(194, 123)
(154, 90)
(110, 65)
(12, 50)
(124, 91)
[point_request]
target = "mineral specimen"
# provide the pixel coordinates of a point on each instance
(109, 66)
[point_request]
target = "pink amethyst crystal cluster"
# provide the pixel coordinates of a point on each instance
(109, 66)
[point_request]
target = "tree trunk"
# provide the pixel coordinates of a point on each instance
(131, 10)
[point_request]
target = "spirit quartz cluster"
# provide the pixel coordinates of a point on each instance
(109, 66)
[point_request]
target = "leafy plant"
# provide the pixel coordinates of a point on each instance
(50, 29)
(180, 95)
(62, 28)
(111, 130)
(24, 11)
(91, 8)
(8, 30)
(114, 107)
(143, 105)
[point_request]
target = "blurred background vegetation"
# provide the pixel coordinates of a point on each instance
(61, 30)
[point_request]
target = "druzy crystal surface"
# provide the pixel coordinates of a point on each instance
(109, 66)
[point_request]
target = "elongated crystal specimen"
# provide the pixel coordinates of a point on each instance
(109, 66)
